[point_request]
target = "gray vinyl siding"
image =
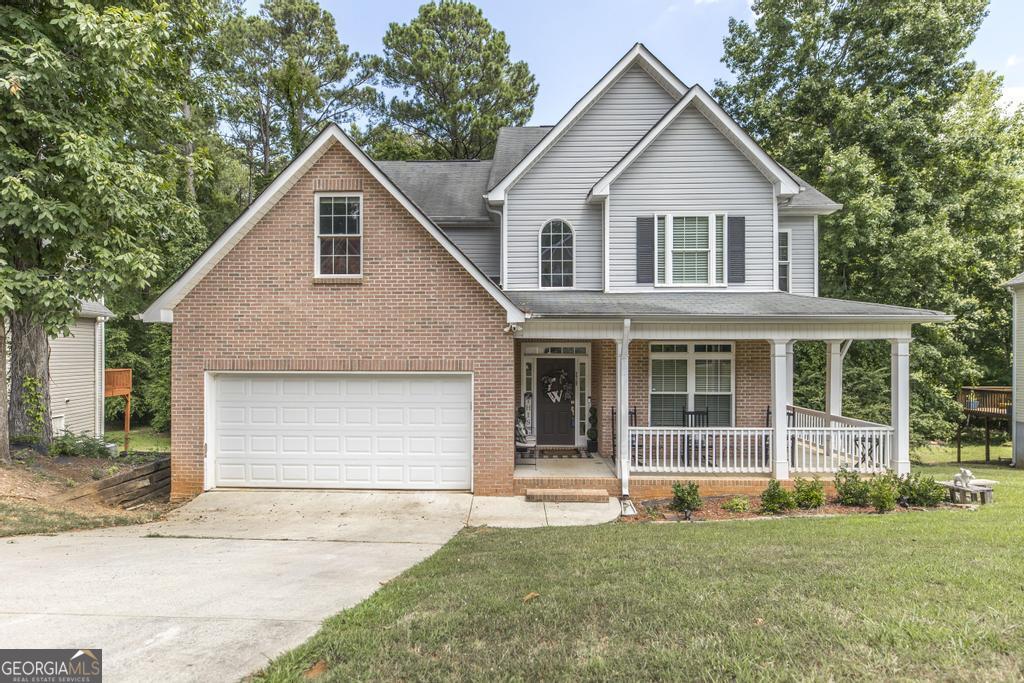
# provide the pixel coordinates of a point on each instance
(1018, 376)
(691, 167)
(801, 256)
(481, 244)
(73, 390)
(558, 184)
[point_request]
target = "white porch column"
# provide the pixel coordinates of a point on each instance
(834, 378)
(790, 371)
(622, 398)
(780, 436)
(900, 394)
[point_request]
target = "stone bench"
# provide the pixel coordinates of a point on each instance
(979, 491)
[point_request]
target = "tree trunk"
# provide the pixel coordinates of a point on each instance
(189, 150)
(30, 357)
(5, 440)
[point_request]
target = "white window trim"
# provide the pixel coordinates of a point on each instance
(691, 356)
(712, 249)
(788, 232)
(540, 258)
(317, 196)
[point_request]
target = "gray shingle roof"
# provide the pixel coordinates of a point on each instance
(94, 309)
(707, 305)
(450, 192)
(809, 199)
(1016, 282)
(513, 144)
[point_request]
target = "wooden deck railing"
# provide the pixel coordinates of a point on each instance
(986, 401)
(117, 382)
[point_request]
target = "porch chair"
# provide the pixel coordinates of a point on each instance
(523, 449)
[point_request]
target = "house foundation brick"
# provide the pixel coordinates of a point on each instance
(414, 309)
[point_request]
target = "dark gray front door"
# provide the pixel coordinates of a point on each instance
(555, 425)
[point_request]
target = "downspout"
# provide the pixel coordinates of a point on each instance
(501, 241)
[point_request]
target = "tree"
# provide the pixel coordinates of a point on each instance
(875, 105)
(87, 144)
(458, 85)
(290, 75)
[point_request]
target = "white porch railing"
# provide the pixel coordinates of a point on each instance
(819, 442)
(816, 443)
(699, 449)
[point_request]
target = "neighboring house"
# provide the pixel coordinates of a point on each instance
(1016, 287)
(377, 325)
(76, 373)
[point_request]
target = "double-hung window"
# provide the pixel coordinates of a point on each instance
(785, 237)
(689, 249)
(691, 377)
(339, 235)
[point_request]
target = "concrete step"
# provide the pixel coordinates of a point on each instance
(566, 495)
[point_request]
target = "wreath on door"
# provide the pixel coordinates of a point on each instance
(557, 386)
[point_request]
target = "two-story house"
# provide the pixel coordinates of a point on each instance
(642, 267)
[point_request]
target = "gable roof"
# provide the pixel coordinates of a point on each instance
(450, 192)
(162, 310)
(700, 99)
(513, 144)
(1015, 282)
(637, 55)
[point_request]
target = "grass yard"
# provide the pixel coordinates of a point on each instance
(141, 439)
(935, 595)
(23, 517)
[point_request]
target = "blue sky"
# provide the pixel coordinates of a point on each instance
(569, 45)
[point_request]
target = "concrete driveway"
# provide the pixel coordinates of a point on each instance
(223, 585)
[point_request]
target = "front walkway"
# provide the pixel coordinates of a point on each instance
(233, 578)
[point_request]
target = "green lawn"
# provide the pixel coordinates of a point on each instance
(18, 518)
(142, 439)
(905, 596)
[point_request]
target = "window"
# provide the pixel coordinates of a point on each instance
(689, 249)
(684, 380)
(784, 241)
(339, 235)
(556, 254)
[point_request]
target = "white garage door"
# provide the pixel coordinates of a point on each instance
(343, 431)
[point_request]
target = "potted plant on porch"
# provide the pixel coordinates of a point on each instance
(592, 430)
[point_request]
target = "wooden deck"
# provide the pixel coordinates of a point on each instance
(984, 405)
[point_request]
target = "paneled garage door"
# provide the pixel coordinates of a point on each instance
(392, 431)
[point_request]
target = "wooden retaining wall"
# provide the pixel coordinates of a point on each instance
(143, 484)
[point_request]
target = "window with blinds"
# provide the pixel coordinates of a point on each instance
(690, 249)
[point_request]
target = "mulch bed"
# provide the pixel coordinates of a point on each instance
(658, 510)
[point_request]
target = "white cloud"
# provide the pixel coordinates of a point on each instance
(1012, 60)
(1013, 97)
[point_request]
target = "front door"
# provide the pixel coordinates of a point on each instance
(556, 388)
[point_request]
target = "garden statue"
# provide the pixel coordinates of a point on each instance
(964, 478)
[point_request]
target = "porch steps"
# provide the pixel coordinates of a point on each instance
(566, 495)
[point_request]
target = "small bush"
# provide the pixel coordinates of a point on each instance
(737, 504)
(686, 497)
(81, 445)
(883, 492)
(915, 489)
(851, 489)
(776, 499)
(809, 494)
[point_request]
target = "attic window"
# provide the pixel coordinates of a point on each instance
(339, 235)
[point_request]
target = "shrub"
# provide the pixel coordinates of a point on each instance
(809, 494)
(737, 504)
(851, 489)
(915, 489)
(776, 499)
(686, 497)
(883, 492)
(81, 445)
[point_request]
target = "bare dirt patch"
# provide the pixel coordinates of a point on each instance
(29, 483)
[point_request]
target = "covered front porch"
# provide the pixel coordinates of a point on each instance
(700, 399)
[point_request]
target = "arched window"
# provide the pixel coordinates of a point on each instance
(556, 254)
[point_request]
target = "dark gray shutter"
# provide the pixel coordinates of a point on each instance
(645, 250)
(737, 256)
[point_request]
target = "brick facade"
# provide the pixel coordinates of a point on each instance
(415, 309)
